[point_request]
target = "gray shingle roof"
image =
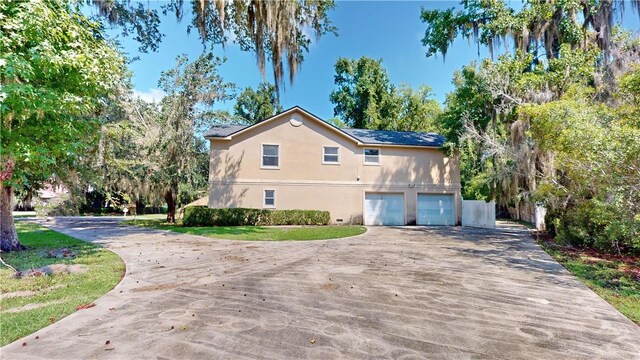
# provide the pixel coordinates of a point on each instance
(223, 130)
(387, 137)
(368, 137)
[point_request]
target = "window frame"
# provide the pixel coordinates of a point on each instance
(324, 162)
(269, 167)
(264, 199)
(368, 163)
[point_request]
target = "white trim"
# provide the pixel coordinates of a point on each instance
(428, 187)
(264, 198)
(282, 114)
(330, 162)
(323, 123)
(364, 157)
(266, 167)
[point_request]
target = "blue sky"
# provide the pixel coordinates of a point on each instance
(391, 31)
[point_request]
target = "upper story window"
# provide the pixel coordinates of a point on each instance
(330, 155)
(270, 156)
(372, 156)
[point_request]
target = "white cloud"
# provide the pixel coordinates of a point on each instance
(152, 95)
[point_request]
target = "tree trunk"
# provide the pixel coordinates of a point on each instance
(170, 198)
(140, 207)
(8, 235)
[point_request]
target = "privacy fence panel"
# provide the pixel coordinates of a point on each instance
(477, 213)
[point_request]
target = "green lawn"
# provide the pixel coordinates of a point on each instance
(29, 304)
(267, 233)
(615, 279)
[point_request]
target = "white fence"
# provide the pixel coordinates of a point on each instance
(477, 213)
(541, 211)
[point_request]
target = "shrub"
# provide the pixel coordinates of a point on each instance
(204, 216)
(596, 224)
(65, 205)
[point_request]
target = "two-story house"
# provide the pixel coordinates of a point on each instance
(294, 160)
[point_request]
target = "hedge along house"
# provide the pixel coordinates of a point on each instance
(295, 160)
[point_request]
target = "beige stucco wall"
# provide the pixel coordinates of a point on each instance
(303, 182)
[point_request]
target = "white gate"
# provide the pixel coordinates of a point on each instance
(477, 213)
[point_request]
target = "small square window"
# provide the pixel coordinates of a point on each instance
(269, 198)
(330, 155)
(270, 156)
(372, 156)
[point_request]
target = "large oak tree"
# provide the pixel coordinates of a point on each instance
(276, 31)
(56, 69)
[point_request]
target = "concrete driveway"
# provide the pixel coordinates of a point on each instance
(409, 293)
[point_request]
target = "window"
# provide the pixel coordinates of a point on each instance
(330, 155)
(270, 156)
(372, 156)
(270, 198)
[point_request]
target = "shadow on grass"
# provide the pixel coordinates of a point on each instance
(39, 241)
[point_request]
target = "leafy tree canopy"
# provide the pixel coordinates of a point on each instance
(365, 98)
(538, 28)
(254, 106)
(275, 31)
(363, 95)
(57, 72)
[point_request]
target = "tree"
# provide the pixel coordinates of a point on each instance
(255, 106)
(364, 97)
(191, 88)
(56, 69)
(557, 127)
(273, 30)
(418, 110)
(539, 28)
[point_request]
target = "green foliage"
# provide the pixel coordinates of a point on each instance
(258, 233)
(612, 278)
(63, 206)
(557, 127)
(366, 99)
(58, 295)
(276, 31)
(417, 110)
(132, 18)
(536, 26)
(363, 96)
(57, 71)
(204, 216)
(187, 193)
(598, 224)
(255, 106)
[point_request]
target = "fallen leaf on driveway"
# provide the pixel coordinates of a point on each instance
(85, 306)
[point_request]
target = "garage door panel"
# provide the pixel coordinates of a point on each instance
(383, 209)
(435, 209)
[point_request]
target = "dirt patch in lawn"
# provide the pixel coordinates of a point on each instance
(32, 306)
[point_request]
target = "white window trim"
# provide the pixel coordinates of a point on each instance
(262, 166)
(364, 157)
(264, 198)
(330, 162)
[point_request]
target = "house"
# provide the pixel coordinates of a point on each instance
(295, 160)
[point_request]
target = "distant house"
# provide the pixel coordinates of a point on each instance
(295, 160)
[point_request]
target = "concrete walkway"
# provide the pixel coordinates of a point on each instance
(410, 293)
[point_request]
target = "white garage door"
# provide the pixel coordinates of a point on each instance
(383, 209)
(435, 209)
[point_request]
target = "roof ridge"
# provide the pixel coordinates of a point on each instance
(360, 136)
